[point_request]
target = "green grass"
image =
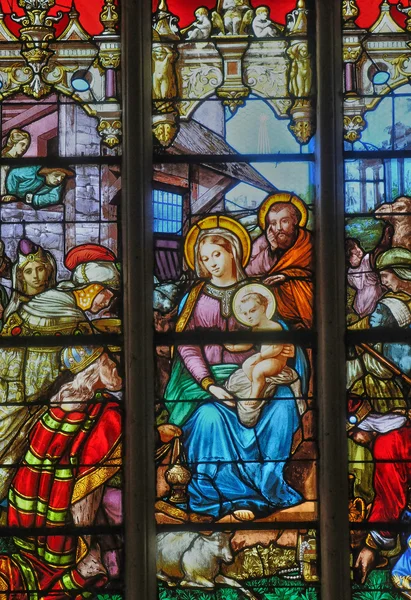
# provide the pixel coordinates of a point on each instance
(270, 588)
(377, 587)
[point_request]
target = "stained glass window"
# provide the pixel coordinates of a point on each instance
(61, 355)
(376, 40)
(233, 120)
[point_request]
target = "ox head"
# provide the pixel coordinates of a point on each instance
(222, 539)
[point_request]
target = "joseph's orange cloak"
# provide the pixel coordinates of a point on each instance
(295, 296)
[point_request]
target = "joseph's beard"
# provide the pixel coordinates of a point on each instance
(284, 240)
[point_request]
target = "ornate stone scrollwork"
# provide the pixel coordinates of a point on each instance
(350, 11)
(353, 127)
(36, 35)
(109, 17)
(233, 91)
(165, 128)
(352, 52)
(110, 130)
(302, 125)
(407, 11)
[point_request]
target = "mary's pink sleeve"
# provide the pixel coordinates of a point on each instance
(193, 358)
(195, 363)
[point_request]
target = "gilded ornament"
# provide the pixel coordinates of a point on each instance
(109, 58)
(110, 131)
(297, 20)
(165, 128)
(352, 52)
(350, 11)
(302, 125)
(233, 98)
(402, 66)
(165, 24)
(407, 11)
(353, 127)
(109, 17)
(35, 36)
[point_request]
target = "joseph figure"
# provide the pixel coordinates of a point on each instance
(284, 255)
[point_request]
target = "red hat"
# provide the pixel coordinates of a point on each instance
(88, 253)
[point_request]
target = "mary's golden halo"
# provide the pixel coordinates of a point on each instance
(282, 197)
(213, 222)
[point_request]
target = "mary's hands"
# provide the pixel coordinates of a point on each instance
(221, 394)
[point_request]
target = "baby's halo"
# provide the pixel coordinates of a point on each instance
(253, 288)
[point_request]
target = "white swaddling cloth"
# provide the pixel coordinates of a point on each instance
(249, 411)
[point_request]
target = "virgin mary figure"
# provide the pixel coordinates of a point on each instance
(235, 469)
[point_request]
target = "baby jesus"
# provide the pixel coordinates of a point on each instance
(262, 372)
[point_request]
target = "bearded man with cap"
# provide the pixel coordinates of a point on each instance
(74, 458)
(26, 374)
(389, 439)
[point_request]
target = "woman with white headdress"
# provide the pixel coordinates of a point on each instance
(33, 273)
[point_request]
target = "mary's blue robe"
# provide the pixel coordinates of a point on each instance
(234, 467)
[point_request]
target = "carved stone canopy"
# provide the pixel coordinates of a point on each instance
(37, 63)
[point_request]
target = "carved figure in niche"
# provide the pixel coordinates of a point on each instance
(201, 28)
(164, 75)
(300, 72)
(37, 186)
(233, 17)
(33, 273)
(262, 24)
(263, 371)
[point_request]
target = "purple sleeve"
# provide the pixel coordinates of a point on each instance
(194, 361)
(260, 262)
(192, 356)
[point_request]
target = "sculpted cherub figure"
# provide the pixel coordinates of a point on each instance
(201, 28)
(262, 24)
(300, 72)
(164, 78)
(233, 17)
